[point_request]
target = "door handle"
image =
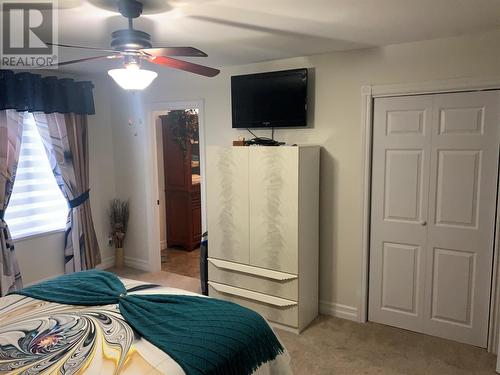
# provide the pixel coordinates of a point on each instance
(423, 223)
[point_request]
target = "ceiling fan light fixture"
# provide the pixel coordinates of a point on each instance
(132, 77)
(134, 46)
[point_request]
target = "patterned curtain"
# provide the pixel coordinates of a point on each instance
(11, 129)
(66, 142)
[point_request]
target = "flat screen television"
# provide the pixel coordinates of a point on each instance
(267, 100)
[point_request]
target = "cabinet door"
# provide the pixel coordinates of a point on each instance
(178, 212)
(274, 208)
(227, 192)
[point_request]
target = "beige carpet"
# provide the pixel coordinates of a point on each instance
(337, 346)
(181, 262)
(332, 346)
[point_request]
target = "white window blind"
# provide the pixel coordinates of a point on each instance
(36, 205)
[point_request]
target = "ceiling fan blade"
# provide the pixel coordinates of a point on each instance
(88, 59)
(184, 65)
(81, 47)
(174, 51)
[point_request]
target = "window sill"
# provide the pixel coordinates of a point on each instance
(37, 235)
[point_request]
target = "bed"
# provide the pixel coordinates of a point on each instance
(41, 337)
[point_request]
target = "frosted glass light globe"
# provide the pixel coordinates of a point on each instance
(132, 77)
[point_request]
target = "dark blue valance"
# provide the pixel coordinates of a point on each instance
(33, 93)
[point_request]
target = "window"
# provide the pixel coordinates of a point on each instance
(36, 205)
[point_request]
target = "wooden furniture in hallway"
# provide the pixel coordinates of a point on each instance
(182, 188)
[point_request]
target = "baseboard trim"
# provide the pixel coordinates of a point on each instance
(163, 244)
(106, 263)
(338, 310)
(137, 263)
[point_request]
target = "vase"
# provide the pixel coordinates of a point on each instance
(119, 257)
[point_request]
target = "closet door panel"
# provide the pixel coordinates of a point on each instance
(274, 208)
(228, 211)
(462, 215)
(401, 163)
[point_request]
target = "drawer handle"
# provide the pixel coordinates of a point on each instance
(259, 297)
(251, 270)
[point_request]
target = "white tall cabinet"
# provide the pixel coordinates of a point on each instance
(263, 213)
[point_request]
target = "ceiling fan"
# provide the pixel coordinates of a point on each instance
(132, 47)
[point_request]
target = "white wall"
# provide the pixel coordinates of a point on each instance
(101, 167)
(42, 257)
(337, 128)
(131, 176)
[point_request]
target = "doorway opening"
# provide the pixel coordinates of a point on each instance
(180, 191)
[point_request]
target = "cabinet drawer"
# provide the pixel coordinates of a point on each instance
(257, 279)
(274, 309)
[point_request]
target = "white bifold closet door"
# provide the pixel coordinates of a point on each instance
(434, 188)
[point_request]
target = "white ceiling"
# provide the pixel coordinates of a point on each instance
(244, 31)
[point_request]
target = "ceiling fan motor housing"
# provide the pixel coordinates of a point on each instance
(130, 39)
(130, 8)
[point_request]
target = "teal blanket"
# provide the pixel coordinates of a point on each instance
(204, 336)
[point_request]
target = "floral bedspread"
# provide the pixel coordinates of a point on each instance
(39, 337)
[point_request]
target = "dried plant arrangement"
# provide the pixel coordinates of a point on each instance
(118, 219)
